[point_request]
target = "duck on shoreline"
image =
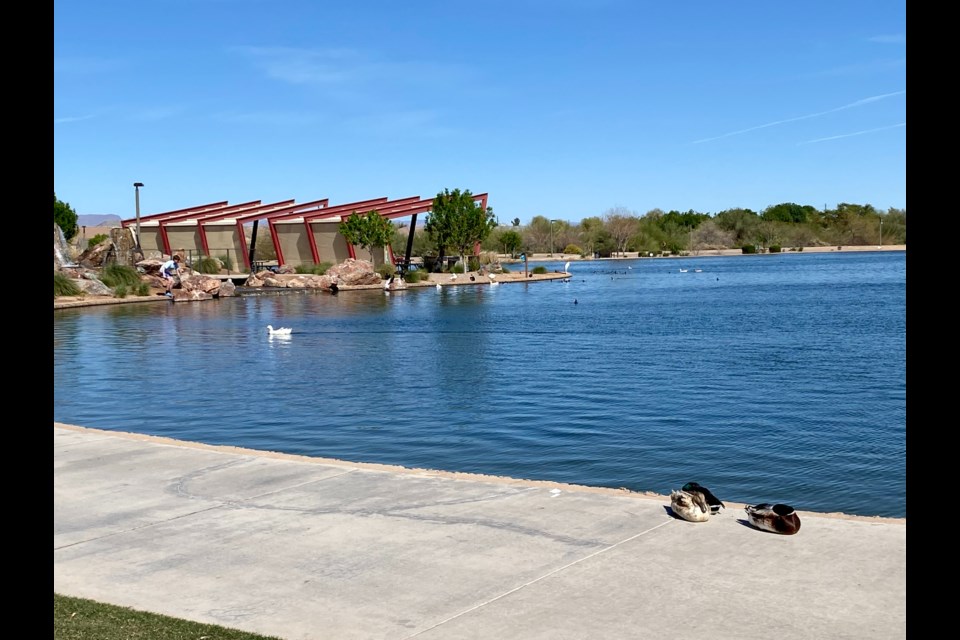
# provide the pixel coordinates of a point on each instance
(775, 518)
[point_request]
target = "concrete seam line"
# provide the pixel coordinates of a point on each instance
(535, 580)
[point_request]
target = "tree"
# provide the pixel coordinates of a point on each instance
(621, 223)
(788, 212)
(538, 234)
(742, 222)
(516, 222)
(456, 221)
(64, 217)
(511, 242)
(368, 231)
(590, 229)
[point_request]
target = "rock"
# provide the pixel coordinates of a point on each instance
(200, 282)
(94, 287)
(184, 295)
(227, 289)
(354, 272)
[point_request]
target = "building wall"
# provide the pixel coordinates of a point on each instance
(223, 240)
(331, 246)
(294, 243)
(185, 240)
(150, 241)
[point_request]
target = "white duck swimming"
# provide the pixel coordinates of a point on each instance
(282, 331)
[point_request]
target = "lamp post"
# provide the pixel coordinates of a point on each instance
(551, 237)
(136, 188)
(881, 232)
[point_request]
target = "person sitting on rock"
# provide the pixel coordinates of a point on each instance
(169, 269)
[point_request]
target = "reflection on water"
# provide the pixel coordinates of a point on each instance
(768, 378)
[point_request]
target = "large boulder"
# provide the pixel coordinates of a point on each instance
(95, 256)
(184, 295)
(227, 289)
(94, 287)
(353, 272)
(200, 282)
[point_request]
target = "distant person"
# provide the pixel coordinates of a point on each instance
(169, 269)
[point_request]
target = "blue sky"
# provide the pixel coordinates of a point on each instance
(560, 108)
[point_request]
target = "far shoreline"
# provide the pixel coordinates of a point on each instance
(706, 253)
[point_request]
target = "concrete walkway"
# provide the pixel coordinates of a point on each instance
(304, 548)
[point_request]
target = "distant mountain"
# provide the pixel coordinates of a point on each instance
(104, 220)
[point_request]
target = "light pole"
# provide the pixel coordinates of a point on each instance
(881, 232)
(551, 237)
(136, 188)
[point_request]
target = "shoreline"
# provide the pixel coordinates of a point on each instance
(438, 473)
(711, 253)
(69, 302)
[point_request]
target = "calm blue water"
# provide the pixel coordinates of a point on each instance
(770, 378)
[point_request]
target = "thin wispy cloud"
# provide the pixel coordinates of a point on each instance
(155, 114)
(895, 38)
(68, 119)
(855, 133)
(863, 68)
(276, 118)
(417, 123)
(858, 103)
(339, 67)
(84, 65)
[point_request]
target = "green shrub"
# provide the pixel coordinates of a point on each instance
(748, 248)
(120, 291)
(207, 264)
(313, 269)
(799, 248)
(539, 269)
(775, 248)
(97, 239)
(143, 289)
(574, 249)
(114, 275)
(226, 261)
(413, 276)
(386, 270)
(457, 268)
(505, 269)
(63, 285)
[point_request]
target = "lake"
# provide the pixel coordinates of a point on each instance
(767, 378)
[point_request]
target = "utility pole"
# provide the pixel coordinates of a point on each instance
(136, 187)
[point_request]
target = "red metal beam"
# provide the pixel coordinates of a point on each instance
(346, 210)
(328, 210)
(314, 252)
(154, 216)
(168, 218)
(313, 204)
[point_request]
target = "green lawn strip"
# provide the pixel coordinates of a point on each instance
(80, 619)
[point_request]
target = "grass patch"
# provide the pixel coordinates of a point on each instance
(208, 264)
(114, 275)
(64, 285)
(80, 619)
(313, 269)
